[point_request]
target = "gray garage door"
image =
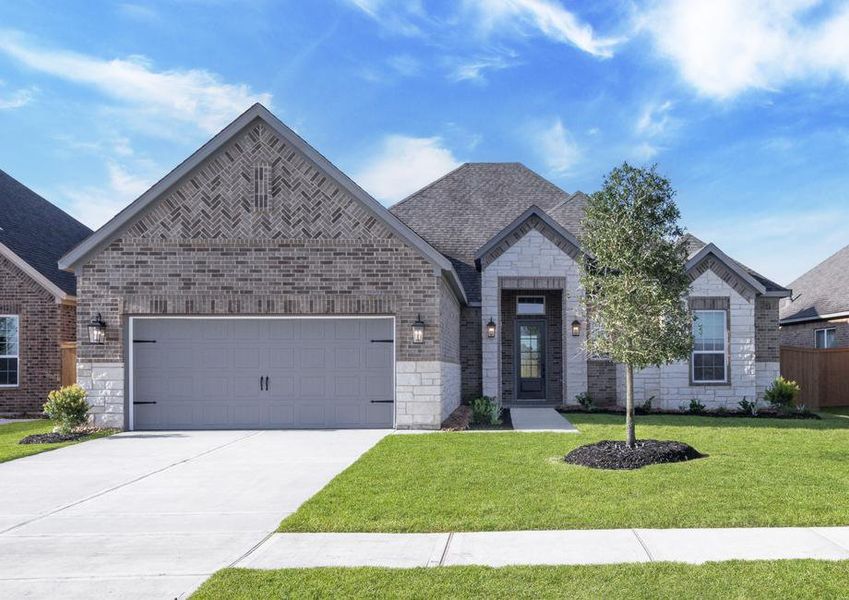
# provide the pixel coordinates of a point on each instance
(262, 373)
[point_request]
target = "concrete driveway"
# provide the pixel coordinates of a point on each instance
(151, 515)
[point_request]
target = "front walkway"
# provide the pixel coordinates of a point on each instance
(571, 547)
(540, 420)
(151, 515)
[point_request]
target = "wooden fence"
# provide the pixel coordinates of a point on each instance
(823, 375)
(69, 363)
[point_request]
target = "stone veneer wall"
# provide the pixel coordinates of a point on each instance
(39, 337)
(670, 385)
(533, 256)
(802, 334)
(206, 248)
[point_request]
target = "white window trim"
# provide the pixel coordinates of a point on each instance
(725, 369)
(825, 331)
(520, 298)
(17, 356)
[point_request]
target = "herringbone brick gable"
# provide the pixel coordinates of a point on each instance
(216, 201)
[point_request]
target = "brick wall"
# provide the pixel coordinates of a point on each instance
(601, 381)
(470, 352)
(767, 343)
(40, 367)
(802, 334)
(206, 248)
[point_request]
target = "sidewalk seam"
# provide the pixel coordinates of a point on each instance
(445, 550)
(643, 544)
(125, 484)
(253, 548)
(828, 539)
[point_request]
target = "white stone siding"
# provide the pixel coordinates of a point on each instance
(424, 391)
(104, 383)
(534, 256)
(670, 384)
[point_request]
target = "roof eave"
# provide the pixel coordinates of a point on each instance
(726, 260)
(31, 272)
(813, 318)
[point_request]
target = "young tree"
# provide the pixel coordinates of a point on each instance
(633, 278)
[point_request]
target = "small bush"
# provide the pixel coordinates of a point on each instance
(585, 400)
(721, 411)
(486, 411)
(750, 408)
(782, 394)
(696, 407)
(68, 406)
(645, 407)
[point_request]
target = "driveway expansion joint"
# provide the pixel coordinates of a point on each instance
(643, 544)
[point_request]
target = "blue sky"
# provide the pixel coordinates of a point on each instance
(743, 104)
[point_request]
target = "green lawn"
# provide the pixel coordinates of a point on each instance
(760, 472)
(750, 580)
(12, 433)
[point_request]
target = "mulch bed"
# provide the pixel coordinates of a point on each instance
(762, 414)
(52, 438)
(610, 454)
(461, 420)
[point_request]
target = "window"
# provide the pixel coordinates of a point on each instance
(710, 346)
(824, 338)
(9, 343)
(530, 305)
(262, 173)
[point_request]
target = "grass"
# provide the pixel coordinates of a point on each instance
(12, 433)
(759, 472)
(842, 411)
(750, 580)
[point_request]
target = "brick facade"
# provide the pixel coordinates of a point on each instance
(310, 248)
(471, 333)
(767, 333)
(801, 335)
(43, 324)
(601, 381)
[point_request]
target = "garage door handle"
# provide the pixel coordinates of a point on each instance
(383, 401)
(266, 383)
(152, 402)
(382, 341)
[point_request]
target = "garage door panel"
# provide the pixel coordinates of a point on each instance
(205, 373)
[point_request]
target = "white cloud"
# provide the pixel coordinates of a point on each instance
(545, 16)
(405, 65)
(192, 96)
(556, 146)
(474, 69)
(397, 16)
(654, 119)
(17, 98)
(725, 47)
(95, 205)
(645, 151)
(403, 165)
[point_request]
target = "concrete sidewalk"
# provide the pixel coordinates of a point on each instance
(540, 420)
(576, 547)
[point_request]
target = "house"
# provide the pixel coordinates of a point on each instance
(817, 314)
(256, 285)
(37, 300)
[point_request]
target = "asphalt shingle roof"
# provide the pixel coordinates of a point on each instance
(694, 244)
(460, 212)
(824, 290)
(37, 231)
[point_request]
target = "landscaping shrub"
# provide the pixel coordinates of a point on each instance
(486, 411)
(68, 406)
(696, 407)
(747, 407)
(645, 407)
(585, 400)
(782, 394)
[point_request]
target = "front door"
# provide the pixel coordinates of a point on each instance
(530, 359)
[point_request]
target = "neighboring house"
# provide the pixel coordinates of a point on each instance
(817, 314)
(256, 285)
(37, 300)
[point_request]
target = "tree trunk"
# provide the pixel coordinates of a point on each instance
(629, 406)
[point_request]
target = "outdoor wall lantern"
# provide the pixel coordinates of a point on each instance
(97, 330)
(490, 328)
(418, 331)
(576, 328)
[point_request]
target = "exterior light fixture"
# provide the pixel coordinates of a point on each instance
(576, 328)
(490, 328)
(97, 330)
(418, 330)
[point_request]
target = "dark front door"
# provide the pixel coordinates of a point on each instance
(530, 359)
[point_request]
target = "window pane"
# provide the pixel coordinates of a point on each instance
(8, 371)
(530, 352)
(530, 305)
(8, 336)
(829, 338)
(709, 331)
(709, 367)
(819, 338)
